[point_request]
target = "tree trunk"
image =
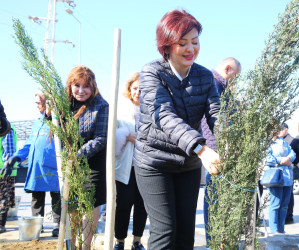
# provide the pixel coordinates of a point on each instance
(250, 229)
(64, 204)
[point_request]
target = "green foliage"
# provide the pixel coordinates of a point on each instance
(248, 123)
(44, 73)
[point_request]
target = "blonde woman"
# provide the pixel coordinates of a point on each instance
(126, 186)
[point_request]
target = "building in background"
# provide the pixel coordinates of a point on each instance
(23, 129)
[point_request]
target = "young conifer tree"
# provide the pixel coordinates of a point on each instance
(247, 124)
(43, 72)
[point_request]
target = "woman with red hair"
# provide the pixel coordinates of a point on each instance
(91, 110)
(175, 93)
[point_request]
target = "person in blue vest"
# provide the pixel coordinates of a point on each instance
(225, 71)
(8, 145)
(42, 173)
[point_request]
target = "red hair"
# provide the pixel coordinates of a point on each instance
(82, 72)
(42, 101)
(172, 27)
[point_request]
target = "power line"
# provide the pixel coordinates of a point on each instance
(50, 26)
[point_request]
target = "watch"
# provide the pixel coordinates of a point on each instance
(198, 149)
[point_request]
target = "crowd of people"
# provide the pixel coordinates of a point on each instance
(164, 135)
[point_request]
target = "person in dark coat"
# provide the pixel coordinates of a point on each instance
(175, 93)
(289, 139)
(4, 123)
(295, 147)
(91, 110)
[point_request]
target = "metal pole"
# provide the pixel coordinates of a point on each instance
(48, 26)
(57, 141)
(110, 173)
(64, 187)
(53, 31)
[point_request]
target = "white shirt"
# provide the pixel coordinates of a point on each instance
(176, 73)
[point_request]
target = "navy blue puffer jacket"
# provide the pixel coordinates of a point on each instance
(206, 132)
(170, 115)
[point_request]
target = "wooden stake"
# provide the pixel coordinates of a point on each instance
(110, 173)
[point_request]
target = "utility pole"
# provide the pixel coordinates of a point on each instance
(50, 26)
(46, 40)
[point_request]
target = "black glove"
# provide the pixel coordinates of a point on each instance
(8, 165)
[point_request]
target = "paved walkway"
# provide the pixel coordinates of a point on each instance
(272, 242)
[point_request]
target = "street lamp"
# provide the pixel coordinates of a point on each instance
(69, 3)
(71, 13)
(36, 19)
(65, 41)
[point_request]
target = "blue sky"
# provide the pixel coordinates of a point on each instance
(230, 28)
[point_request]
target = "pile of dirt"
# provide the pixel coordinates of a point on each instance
(34, 244)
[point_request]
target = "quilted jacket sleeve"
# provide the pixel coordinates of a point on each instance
(99, 140)
(157, 98)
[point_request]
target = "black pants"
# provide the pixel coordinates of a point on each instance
(170, 201)
(38, 204)
(126, 197)
(291, 206)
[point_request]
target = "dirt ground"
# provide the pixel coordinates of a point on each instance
(26, 245)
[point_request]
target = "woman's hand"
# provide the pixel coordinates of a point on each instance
(131, 137)
(210, 160)
(286, 161)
